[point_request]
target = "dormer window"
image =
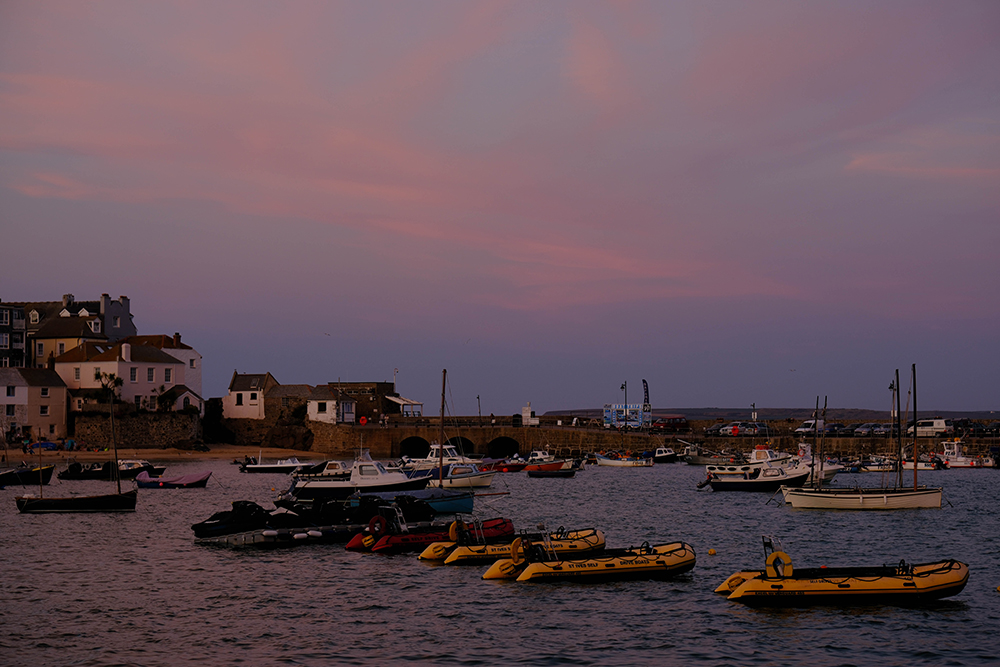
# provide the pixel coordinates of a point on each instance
(83, 313)
(253, 383)
(95, 326)
(65, 313)
(33, 317)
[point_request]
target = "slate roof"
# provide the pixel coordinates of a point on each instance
(160, 341)
(246, 382)
(141, 354)
(85, 352)
(290, 391)
(325, 392)
(30, 377)
(177, 391)
(69, 327)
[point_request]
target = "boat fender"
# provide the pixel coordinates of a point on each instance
(377, 525)
(515, 551)
(779, 565)
(456, 529)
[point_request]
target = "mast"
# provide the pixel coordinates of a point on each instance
(815, 438)
(915, 465)
(114, 442)
(899, 433)
(819, 480)
(444, 382)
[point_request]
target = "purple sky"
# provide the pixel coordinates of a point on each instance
(740, 202)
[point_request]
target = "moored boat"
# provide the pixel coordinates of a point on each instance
(197, 480)
(456, 476)
(281, 467)
(955, 457)
(24, 475)
(110, 502)
(624, 461)
(418, 540)
(888, 498)
(561, 473)
(664, 455)
(560, 542)
(781, 585)
(367, 476)
(754, 478)
(532, 563)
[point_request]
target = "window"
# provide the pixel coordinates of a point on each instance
(138, 401)
(253, 398)
(10, 410)
(43, 410)
(76, 373)
(52, 429)
(95, 326)
(97, 373)
(150, 374)
(33, 317)
(192, 363)
(45, 392)
(167, 373)
(40, 349)
(4, 341)
(284, 401)
(4, 317)
(117, 322)
(187, 402)
(133, 374)
(62, 348)
(5, 362)
(10, 390)
(321, 406)
(239, 399)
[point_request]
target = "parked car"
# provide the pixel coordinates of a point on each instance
(713, 430)
(670, 424)
(930, 428)
(993, 429)
(809, 426)
(832, 430)
(865, 430)
(732, 428)
(759, 429)
(885, 430)
(968, 428)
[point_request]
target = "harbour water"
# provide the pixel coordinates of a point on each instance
(135, 589)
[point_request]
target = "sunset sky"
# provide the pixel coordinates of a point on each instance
(741, 202)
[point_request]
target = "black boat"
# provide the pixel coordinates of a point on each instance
(23, 475)
(105, 471)
(112, 502)
(567, 472)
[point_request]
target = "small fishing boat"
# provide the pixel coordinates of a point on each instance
(561, 542)
(955, 457)
(25, 475)
(367, 476)
(664, 455)
(781, 585)
(456, 476)
(562, 472)
(886, 498)
(624, 461)
(282, 467)
(441, 501)
(531, 562)
(110, 502)
(754, 478)
(196, 480)
(437, 456)
(504, 465)
(391, 536)
(127, 469)
(696, 456)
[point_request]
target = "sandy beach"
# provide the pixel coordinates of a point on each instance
(216, 452)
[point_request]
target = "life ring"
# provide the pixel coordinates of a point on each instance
(776, 570)
(515, 551)
(363, 420)
(377, 525)
(455, 529)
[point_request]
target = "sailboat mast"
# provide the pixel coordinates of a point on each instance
(114, 442)
(899, 434)
(815, 439)
(915, 464)
(819, 481)
(444, 383)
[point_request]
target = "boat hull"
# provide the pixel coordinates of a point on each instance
(863, 499)
(195, 481)
(849, 586)
(338, 490)
(26, 476)
(759, 484)
(112, 502)
(659, 562)
(568, 543)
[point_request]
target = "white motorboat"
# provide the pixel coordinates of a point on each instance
(435, 458)
(282, 466)
(664, 455)
(955, 457)
(367, 476)
(805, 458)
(624, 462)
(769, 477)
(457, 476)
(540, 456)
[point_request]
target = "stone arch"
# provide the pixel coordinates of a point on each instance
(462, 444)
(415, 447)
(502, 447)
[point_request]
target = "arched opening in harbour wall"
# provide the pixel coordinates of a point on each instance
(415, 447)
(502, 447)
(463, 445)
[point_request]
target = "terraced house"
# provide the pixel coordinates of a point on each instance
(32, 403)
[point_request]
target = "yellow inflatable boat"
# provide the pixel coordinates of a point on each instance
(565, 542)
(781, 585)
(530, 562)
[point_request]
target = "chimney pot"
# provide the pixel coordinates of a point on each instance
(177, 339)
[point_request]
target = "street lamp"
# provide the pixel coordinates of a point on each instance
(624, 388)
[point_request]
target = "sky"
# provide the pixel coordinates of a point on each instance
(740, 202)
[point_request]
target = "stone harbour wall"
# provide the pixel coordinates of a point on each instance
(154, 430)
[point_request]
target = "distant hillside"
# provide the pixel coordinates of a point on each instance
(780, 414)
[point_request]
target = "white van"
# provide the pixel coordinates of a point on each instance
(809, 426)
(929, 428)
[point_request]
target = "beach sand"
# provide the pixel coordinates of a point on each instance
(215, 453)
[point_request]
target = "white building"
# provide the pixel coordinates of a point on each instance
(245, 399)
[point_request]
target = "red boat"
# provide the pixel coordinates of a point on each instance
(550, 465)
(504, 466)
(419, 536)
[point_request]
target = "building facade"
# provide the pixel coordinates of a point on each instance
(245, 399)
(32, 403)
(12, 336)
(115, 318)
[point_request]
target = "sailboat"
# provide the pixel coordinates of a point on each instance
(111, 502)
(885, 498)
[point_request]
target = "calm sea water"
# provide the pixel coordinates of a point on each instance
(136, 590)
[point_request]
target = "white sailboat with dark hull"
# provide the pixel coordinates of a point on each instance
(885, 498)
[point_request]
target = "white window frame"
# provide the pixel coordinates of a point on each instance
(4, 317)
(97, 372)
(33, 317)
(43, 410)
(168, 375)
(4, 341)
(117, 322)
(39, 349)
(150, 374)
(45, 392)
(133, 374)
(192, 363)
(76, 373)
(62, 348)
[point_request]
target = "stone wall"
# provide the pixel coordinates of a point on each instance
(154, 430)
(248, 432)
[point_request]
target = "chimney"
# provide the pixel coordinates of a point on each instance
(67, 299)
(177, 339)
(105, 299)
(127, 352)
(123, 300)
